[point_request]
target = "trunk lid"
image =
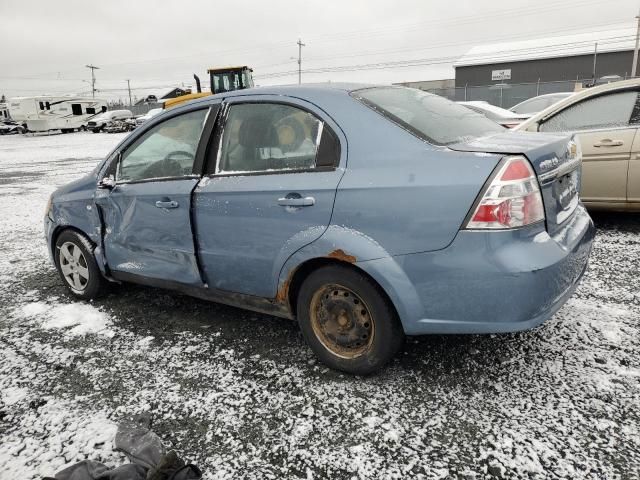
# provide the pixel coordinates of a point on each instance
(556, 160)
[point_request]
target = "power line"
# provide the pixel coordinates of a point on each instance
(448, 59)
(367, 33)
(454, 44)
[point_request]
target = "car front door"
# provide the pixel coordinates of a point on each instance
(146, 215)
(605, 126)
(268, 190)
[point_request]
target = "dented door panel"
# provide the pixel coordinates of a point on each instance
(145, 239)
(245, 236)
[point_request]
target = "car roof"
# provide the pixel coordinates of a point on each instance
(581, 95)
(305, 91)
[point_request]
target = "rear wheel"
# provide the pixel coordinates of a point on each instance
(347, 320)
(77, 266)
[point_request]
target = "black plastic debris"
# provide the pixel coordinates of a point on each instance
(148, 456)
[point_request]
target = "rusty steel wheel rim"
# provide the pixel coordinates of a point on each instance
(341, 321)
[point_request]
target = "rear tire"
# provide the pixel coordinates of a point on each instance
(347, 320)
(77, 267)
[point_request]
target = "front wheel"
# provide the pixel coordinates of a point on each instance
(347, 320)
(76, 264)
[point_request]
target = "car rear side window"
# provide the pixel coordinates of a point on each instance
(605, 111)
(430, 117)
(265, 137)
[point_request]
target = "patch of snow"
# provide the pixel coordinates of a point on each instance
(34, 309)
(56, 435)
(13, 395)
(82, 317)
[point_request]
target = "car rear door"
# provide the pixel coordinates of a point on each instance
(147, 215)
(605, 126)
(268, 190)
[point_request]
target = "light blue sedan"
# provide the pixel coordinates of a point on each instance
(365, 213)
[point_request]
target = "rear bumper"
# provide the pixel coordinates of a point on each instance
(488, 282)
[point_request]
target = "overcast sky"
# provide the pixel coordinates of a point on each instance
(158, 44)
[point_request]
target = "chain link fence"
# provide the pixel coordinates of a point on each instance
(506, 95)
(140, 109)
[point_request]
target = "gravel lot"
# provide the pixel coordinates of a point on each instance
(240, 394)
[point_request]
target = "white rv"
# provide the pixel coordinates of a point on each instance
(44, 113)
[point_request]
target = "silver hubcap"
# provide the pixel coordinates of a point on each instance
(74, 266)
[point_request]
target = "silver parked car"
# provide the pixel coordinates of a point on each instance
(504, 117)
(534, 105)
(106, 119)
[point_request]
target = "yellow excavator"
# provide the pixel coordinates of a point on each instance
(225, 79)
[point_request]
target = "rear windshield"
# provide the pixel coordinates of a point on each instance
(430, 117)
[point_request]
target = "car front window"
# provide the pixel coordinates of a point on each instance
(605, 111)
(430, 117)
(166, 150)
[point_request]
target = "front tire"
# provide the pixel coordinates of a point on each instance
(76, 265)
(347, 320)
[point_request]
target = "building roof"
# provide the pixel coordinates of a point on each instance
(615, 40)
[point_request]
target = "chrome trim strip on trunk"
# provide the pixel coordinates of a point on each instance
(560, 170)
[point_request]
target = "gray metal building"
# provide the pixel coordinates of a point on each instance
(575, 67)
(507, 73)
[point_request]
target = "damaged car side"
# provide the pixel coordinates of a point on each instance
(366, 213)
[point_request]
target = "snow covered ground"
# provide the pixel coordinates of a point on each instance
(241, 395)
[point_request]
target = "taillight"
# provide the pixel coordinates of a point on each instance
(512, 199)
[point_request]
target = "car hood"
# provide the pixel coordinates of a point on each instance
(83, 186)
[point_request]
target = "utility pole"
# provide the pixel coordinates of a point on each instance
(129, 88)
(634, 65)
(300, 45)
(93, 79)
(595, 59)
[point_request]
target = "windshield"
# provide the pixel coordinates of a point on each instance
(430, 117)
(226, 82)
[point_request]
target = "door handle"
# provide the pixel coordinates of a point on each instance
(167, 204)
(606, 142)
(296, 201)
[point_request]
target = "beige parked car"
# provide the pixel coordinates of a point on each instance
(606, 120)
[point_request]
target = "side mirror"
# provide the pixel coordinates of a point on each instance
(107, 183)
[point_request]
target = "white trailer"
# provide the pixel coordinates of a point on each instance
(44, 113)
